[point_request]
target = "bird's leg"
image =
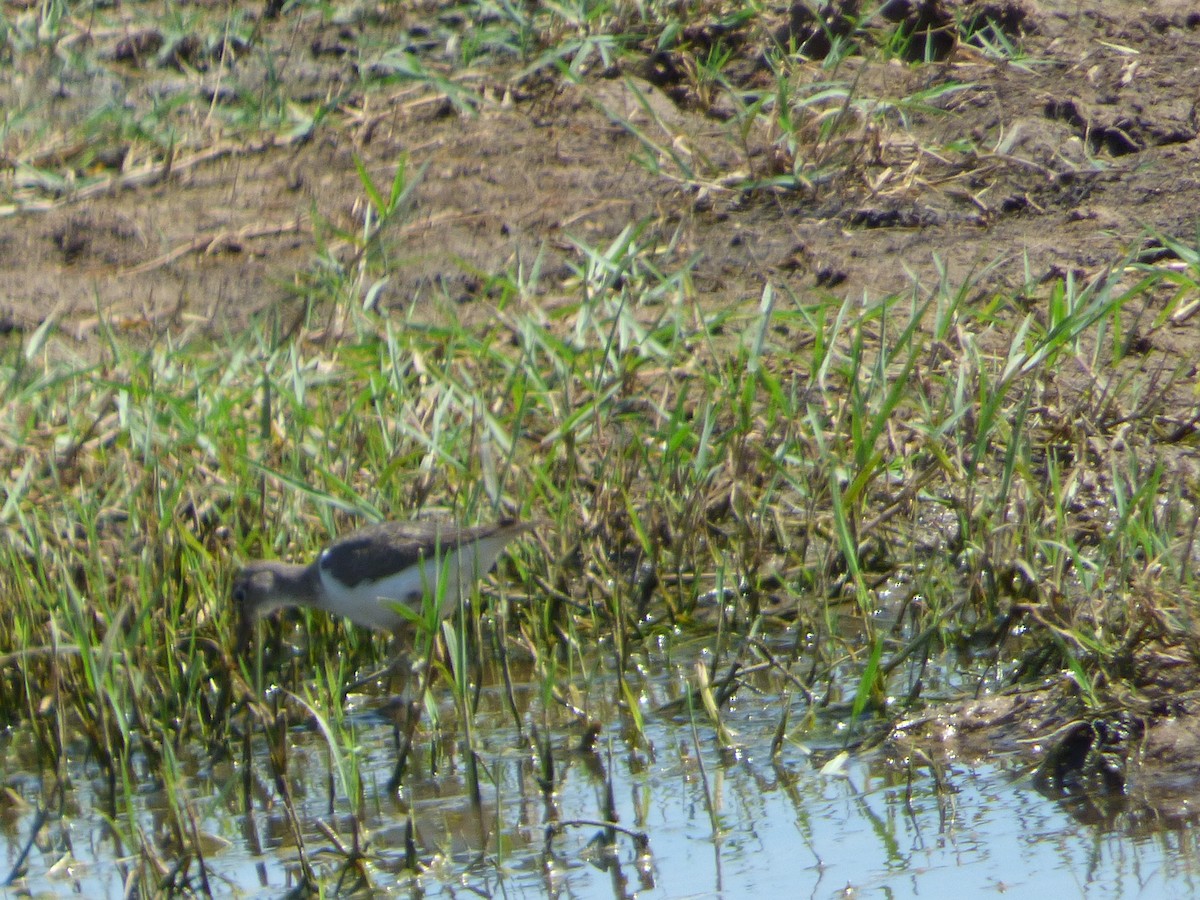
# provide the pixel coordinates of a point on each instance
(399, 663)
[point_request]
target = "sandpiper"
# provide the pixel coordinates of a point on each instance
(365, 574)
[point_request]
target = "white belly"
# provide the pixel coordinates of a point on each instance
(372, 603)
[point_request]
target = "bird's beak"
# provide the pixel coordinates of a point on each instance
(245, 631)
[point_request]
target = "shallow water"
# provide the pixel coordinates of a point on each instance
(788, 828)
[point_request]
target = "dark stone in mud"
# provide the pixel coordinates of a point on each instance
(704, 37)
(830, 276)
(1114, 139)
(1064, 110)
(187, 52)
(337, 45)
(1119, 134)
(662, 69)
(1132, 764)
(1154, 251)
(811, 34)
(1010, 19)
(73, 239)
(1090, 756)
(926, 30)
(138, 46)
(885, 217)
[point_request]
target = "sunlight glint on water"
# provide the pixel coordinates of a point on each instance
(785, 830)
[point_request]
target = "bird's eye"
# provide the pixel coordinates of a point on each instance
(239, 594)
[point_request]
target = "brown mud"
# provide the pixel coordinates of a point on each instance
(1128, 764)
(1086, 146)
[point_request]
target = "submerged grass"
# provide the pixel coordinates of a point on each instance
(703, 475)
(819, 493)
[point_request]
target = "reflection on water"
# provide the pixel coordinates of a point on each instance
(718, 824)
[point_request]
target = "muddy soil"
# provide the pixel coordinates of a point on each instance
(1128, 764)
(1090, 144)
(1082, 150)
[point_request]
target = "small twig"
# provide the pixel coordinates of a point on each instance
(553, 829)
(921, 639)
(30, 652)
(38, 821)
(206, 244)
(708, 800)
(149, 174)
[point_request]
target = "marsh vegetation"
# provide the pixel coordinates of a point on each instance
(851, 450)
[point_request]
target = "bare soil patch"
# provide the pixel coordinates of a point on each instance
(1092, 143)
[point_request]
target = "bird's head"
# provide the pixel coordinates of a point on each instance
(256, 592)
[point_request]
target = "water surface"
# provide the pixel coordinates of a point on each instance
(718, 823)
